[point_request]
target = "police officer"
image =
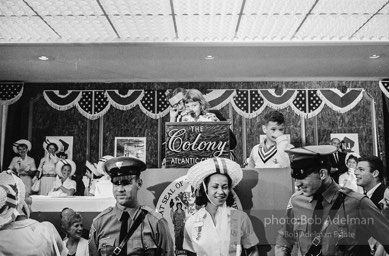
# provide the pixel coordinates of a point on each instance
(110, 227)
(324, 218)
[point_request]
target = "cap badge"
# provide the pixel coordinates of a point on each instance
(119, 164)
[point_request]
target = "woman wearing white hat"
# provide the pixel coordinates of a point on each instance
(20, 235)
(90, 178)
(103, 186)
(23, 165)
(46, 167)
(217, 229)
(348, 179)
(64, 185)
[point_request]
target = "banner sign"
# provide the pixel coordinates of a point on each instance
(191, 142)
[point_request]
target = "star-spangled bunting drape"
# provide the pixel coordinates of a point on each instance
(10, 92)
(248, 103)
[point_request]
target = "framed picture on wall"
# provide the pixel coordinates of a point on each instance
(67, 145)
(131, 146)
(350, 142)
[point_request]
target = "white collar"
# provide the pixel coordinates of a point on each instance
(371, 191)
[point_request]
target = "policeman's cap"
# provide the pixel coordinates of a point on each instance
(304, 160)
(124, 166)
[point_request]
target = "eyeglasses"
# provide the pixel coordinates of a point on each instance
(181, 102)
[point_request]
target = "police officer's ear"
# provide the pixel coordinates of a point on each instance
(323, 173)
(140, 182)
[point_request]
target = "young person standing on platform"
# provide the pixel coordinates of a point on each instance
(196, 108)
(270, 153)
(23, 166)
(47, 164)
(129, 228)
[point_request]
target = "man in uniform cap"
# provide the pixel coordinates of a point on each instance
(324, 218)
(110, 227)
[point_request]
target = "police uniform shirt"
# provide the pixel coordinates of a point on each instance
(357, 219)
(152, 233)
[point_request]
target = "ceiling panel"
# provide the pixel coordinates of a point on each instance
(354, 7)
(206, 28)
(136, 7)
(278, 7)
(268, 27)
(207, 7)
(168, 40)
(330, 27)
(150, 28)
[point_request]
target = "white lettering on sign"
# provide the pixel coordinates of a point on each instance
(176, 142)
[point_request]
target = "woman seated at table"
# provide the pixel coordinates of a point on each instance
(74, 244)
(196, 108)
(64, 185)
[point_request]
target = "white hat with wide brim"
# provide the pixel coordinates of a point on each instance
(21, 142)
(93, 168)
(62, 162)
(12, 196)
(53, 141)
(100, 164)
(198, 172)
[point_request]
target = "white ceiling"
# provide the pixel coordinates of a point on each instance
(168, 40)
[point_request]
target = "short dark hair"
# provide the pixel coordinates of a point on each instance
(273, 116)
(352, 157)
(55, 145)
(375, 163)
(201, 196)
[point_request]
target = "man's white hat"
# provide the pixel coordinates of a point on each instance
(198, 172)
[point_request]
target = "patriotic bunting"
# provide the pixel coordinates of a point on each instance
(248, 103)
(124, 102)
(93, 104)
(384, 86)
(307, 103)
(10, 93)
(278, 101)
(340, 102)
(60, 101)
(217, 99)
(154, 103)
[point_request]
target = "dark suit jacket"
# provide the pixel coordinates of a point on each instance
(378, 195)
(341, 165)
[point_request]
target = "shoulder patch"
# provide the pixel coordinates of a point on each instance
(152, 211)
(109, 209)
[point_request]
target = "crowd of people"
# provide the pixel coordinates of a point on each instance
(340, 207)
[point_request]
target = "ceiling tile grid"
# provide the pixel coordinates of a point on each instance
(86, 21)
